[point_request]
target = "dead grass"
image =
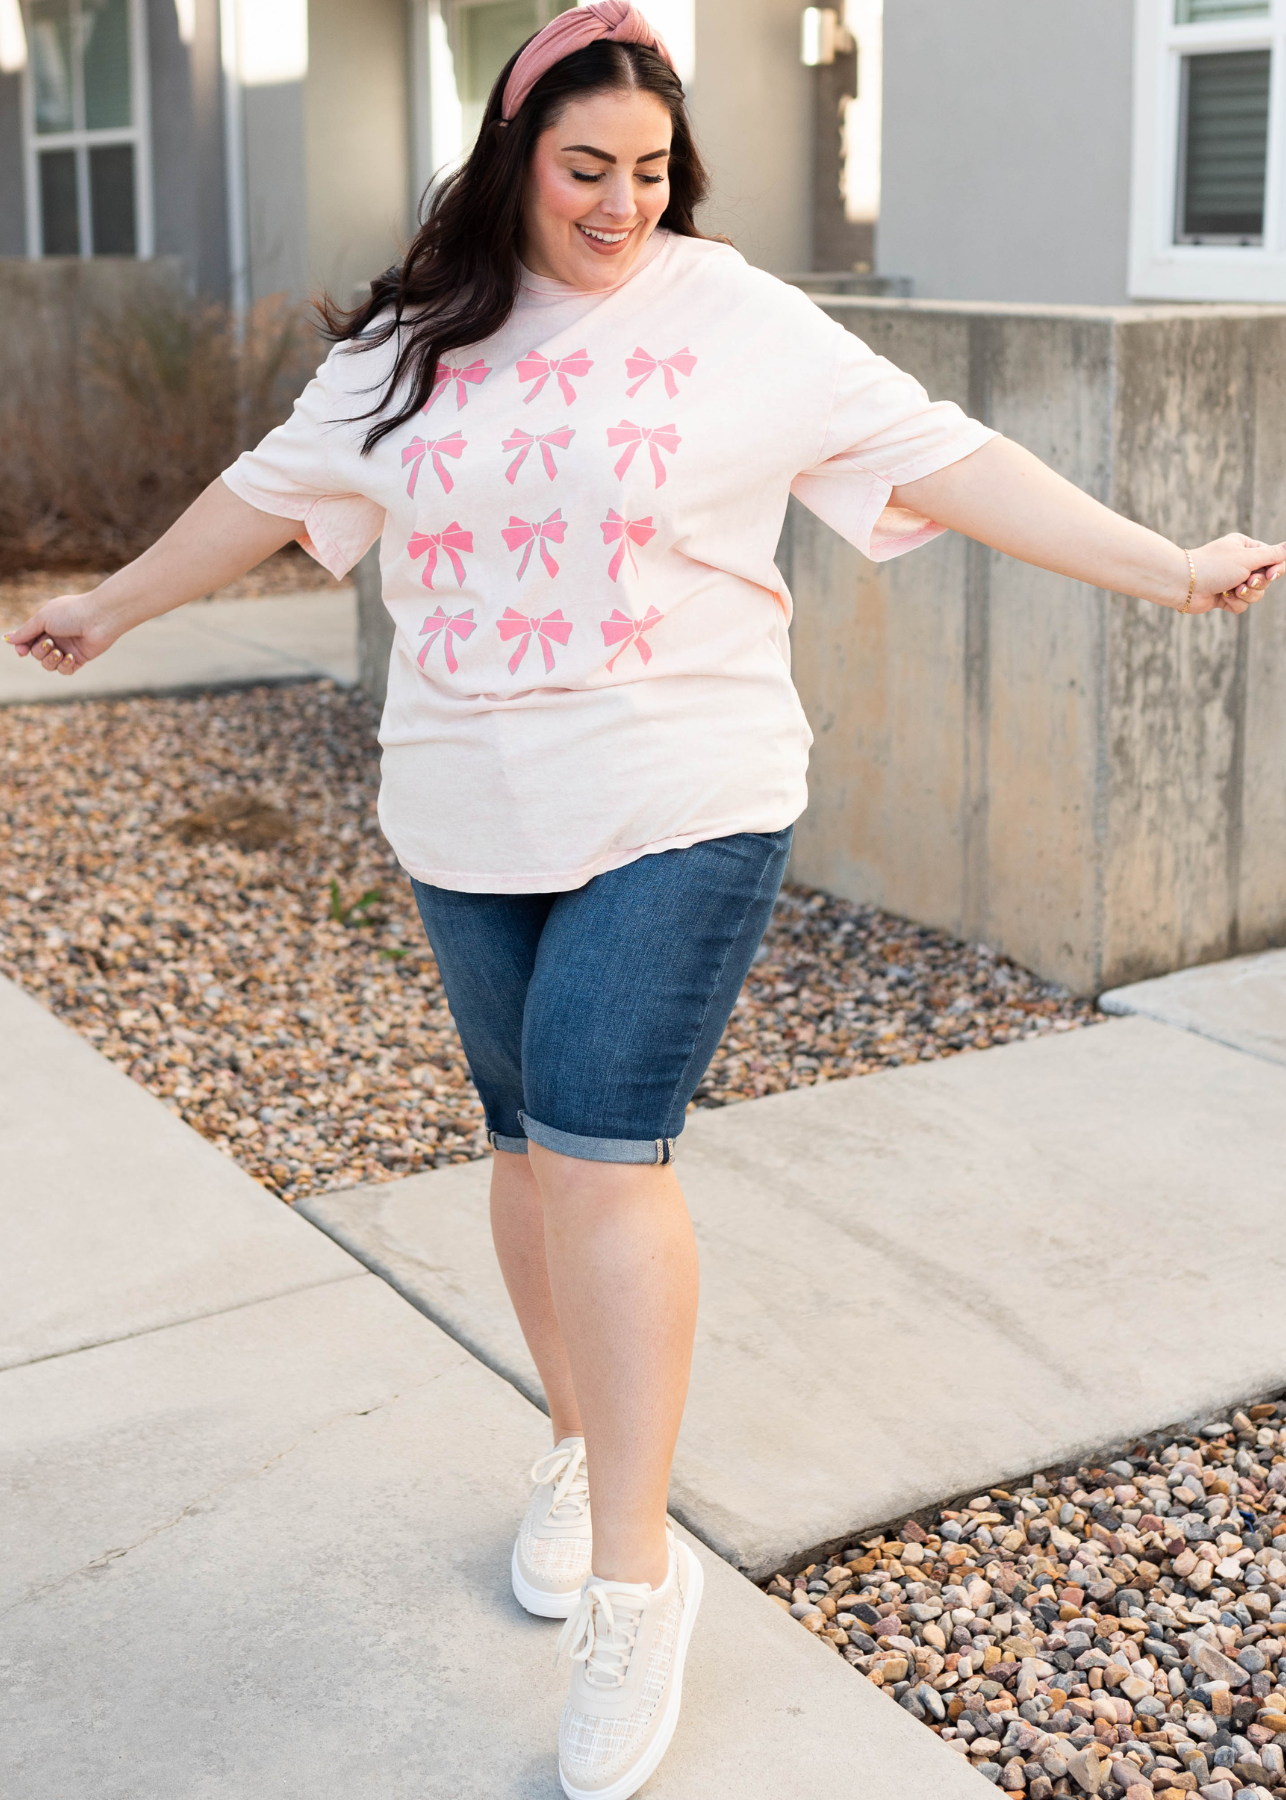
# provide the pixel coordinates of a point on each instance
(101, 450)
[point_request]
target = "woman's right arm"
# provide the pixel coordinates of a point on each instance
(218, 538)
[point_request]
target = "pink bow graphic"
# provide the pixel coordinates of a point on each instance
(436, 448)
(623, 630)
(644, 367)
(450, 542)
(656, 437)
(538, 368)
(523, 441)
(533, 532)
(515, 624)
(629, 532)
(462, 625)
(446, 373)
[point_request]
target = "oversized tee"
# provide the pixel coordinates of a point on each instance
(591, 660)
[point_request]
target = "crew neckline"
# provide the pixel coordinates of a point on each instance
(549, 285)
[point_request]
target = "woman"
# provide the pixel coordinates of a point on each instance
(575, 422)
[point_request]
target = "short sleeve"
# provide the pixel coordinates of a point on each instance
(883, 431)
(293, 473)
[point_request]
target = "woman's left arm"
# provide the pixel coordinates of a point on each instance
(1007, 498)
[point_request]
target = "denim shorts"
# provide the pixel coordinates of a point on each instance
(589, 1017)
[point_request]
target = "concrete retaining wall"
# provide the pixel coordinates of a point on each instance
(1087, 783)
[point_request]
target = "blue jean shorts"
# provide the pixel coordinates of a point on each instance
(589, 1017)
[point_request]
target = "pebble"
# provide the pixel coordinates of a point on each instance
(154, 910)
(1085, 1639)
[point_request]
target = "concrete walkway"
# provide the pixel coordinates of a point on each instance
(258, 1512)
(918, 1283)
(1241, 1003)
(208, 645)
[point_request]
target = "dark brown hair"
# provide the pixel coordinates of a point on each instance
(459, 280)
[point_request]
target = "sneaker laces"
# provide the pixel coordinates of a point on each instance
(565, 1466)
(598, 1637)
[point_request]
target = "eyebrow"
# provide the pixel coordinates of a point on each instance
(606, 155)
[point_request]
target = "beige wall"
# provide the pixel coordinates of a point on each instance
(1088, 783)
(357, 140)
(751, 104)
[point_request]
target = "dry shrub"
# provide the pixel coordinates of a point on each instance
(240, 819)
(104, 442)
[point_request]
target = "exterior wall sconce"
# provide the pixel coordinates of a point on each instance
(823, 37)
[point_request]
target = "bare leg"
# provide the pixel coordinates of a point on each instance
(518, 1230)
(622, 1268)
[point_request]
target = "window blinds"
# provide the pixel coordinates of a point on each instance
(1223, 146)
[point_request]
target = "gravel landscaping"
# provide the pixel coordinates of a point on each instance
(1120, 1630)
(199, 886)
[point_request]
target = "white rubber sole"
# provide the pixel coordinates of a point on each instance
(537, 1600)
(633, 1779)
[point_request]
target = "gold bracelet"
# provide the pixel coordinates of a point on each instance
(1192, 583)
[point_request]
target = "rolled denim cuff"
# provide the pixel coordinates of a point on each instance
(596, 1149)
(515, 1146)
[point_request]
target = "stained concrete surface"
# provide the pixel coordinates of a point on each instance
(208, 645)
(1241, 1002)
(920, 1282)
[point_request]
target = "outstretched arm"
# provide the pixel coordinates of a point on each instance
(218, 538)
(1007, 498)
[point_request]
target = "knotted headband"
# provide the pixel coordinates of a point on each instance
(573, 30)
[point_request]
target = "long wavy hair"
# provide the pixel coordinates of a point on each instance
(459, 280)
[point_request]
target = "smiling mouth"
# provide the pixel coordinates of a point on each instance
(609, 238)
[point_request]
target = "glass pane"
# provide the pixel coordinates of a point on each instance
(489, 35)
(1199, 12)
(59, 222)
(105, 24)
(111, 199)
(50, 44)
(1225, 148)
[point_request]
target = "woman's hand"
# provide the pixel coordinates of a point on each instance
(216, 540)
(66, 633)
(1234, 572)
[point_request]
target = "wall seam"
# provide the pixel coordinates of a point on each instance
(1101, 804)
(975, 834)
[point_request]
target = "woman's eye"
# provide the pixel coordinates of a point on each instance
(652, 180)
(580, 175)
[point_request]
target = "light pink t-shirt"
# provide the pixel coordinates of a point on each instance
(591, 658)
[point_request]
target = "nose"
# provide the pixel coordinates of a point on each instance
(616, 196)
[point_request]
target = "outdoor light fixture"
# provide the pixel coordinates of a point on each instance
(272, 41)
(824, 37)
(13, 39)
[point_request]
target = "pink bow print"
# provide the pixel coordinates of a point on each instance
(629, 532)
(450, 542)
(522, 442)
(533, 532)
(623, 630)
(446, 373)
(538, 368)
(462, 625)
(436, 448)
(644, 367)
(515, 624)
(656, 437)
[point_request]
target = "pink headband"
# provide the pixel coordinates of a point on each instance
(572, 30)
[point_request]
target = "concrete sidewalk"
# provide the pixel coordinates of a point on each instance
(208, 645)
(1241, 1002)
(259, 1512)
(921, 1282)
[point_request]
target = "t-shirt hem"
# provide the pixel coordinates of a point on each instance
(563, 881)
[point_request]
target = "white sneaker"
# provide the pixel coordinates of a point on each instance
(552, 1554)
(628, 1643)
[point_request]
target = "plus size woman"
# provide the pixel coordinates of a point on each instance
(574, 422)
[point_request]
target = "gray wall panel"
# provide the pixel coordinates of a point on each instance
(1006, 158)
(173, 151)
(13, 228)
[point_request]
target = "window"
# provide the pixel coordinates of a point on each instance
(1208, 208)
(88, 187)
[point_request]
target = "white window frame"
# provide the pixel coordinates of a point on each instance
(139, 135)
(1160, 269)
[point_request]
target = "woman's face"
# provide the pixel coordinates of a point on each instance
(597, 184)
